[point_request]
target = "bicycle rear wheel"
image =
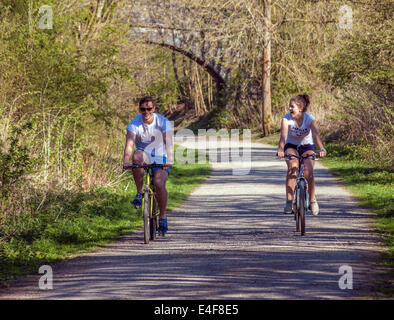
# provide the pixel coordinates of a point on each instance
(146, 215)
(301, 209)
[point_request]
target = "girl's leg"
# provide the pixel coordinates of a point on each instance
(308, 173)
(292, 168)
(309, 164)
(291, 179)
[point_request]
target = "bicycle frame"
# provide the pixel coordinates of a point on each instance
(150, 187)
(300, 177)
(150, 217)
(301, 184)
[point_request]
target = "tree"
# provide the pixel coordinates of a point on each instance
(266, 116)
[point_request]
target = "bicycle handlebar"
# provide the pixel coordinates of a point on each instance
(145, 166)
(288, 156)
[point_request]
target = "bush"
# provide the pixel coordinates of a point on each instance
(363, 71)
(15, 163)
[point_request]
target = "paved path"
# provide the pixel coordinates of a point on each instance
(230, 240)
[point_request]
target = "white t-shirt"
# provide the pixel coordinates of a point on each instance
(299, 135)
(150, 137)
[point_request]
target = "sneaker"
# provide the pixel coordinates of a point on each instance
(163, 226)
(137, 202)
(314, 207)
(288, 207)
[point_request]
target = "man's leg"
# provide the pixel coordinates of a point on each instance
(159, 180)
(139, 157)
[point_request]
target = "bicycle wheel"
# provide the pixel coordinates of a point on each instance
(301, 209)
(295, 208)
(146, 211)
(153, 220)
(297, 219)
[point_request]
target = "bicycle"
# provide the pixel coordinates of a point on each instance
(149, 206)
(301, 196)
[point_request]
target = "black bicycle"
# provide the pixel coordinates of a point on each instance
(149, 207)
(301, 192)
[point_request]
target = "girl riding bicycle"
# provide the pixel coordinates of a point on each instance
(298, 130)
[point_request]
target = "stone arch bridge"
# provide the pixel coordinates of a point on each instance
(182, 29)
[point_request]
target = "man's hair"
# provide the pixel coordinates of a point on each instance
(147, 99)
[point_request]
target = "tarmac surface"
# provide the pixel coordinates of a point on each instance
(231, 240)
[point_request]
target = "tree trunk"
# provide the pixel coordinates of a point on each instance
(180, 86)
(266, 110)
(186, 76)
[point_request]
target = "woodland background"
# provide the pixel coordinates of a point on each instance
(67, 93)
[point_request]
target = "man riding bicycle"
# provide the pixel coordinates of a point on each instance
(151, 135)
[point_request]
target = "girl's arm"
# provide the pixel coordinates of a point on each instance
(315, 134)
(283, 135)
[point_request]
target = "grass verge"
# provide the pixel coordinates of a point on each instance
(70, 224)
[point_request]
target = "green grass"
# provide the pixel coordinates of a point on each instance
(70, 224)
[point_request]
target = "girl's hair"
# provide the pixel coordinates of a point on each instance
(302, 100)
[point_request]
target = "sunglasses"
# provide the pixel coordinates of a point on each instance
(145, 109)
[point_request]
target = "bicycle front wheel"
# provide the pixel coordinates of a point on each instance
(295, 209)
(154, 223)
(146, 215)
(301, 208)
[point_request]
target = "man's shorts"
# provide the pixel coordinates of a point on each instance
(301, 148)
(152, 159)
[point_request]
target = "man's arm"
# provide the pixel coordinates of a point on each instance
(128, 150)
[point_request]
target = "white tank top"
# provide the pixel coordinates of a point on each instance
(299, 135)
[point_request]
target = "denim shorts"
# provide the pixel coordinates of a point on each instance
(154, 162)
(301, 148)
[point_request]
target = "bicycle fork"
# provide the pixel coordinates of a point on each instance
(145, 189)
(151, 198)
(299, 179)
